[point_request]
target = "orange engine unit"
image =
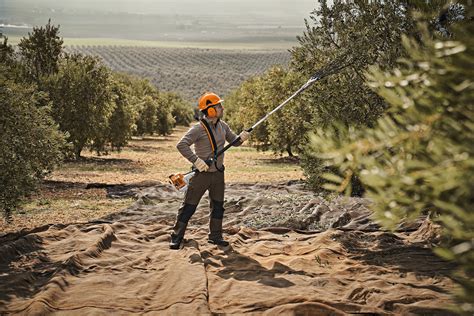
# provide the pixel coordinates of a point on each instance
(177, 180)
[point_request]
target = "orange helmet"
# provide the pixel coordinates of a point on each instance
(208, 99)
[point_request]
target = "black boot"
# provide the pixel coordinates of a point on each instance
(215, 232)
(177, 235)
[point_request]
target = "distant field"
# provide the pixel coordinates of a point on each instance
(182, 46)
(266, 44)
(187, 71)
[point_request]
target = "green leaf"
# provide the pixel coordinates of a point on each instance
(451, 207)
(332, 177)
(331, 187)
(444, 253)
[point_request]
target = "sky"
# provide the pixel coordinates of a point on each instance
(157, 19)
(218, 7)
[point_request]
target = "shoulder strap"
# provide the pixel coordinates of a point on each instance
(210, 135)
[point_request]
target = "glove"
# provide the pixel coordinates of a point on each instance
(201, 165)
(244, 136)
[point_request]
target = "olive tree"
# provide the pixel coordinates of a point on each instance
(82, 101)
(41, 52)
(30, 143)
(418, 157)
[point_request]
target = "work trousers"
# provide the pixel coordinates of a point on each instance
(198, 185)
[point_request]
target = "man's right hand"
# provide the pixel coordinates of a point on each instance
(201, 165)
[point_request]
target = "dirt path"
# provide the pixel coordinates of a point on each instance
(121, 264)
(83, 190)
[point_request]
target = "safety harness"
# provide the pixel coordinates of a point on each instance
(212, 140)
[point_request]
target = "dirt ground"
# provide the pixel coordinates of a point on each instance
(94, 240)
(291, 252)
(77, 191)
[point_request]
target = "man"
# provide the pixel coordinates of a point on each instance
(208, 137)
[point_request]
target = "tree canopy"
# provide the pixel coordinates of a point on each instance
(30, 143)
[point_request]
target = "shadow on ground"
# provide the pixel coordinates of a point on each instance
(389, 250)
(244, 268)
(22, 260)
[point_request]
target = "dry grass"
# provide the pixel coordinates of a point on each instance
(154, 158)
(63, 198)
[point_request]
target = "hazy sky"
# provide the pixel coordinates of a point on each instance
(159, 19)
(226, 7)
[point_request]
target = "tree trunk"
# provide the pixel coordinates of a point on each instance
(77, 151)
(288, 150)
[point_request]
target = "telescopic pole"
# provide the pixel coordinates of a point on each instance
(320, 74)
(180, 181)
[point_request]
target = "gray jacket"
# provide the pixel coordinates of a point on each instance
(197, 136)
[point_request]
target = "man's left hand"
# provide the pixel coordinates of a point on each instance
(244, 136)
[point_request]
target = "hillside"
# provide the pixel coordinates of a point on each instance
(187, 71)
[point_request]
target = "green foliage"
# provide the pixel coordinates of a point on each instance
(153, 108)
(285, 130)
(419, 156)
(154, 116)
(288, 127)
(122, 121)
(30, 144)
(8, 59)
(147, 118)
(164, 119)
(41, 52)
(244, 106)
(82, 101)
(365, 33)
(181, 110)
(313, 167)
(6, 50)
